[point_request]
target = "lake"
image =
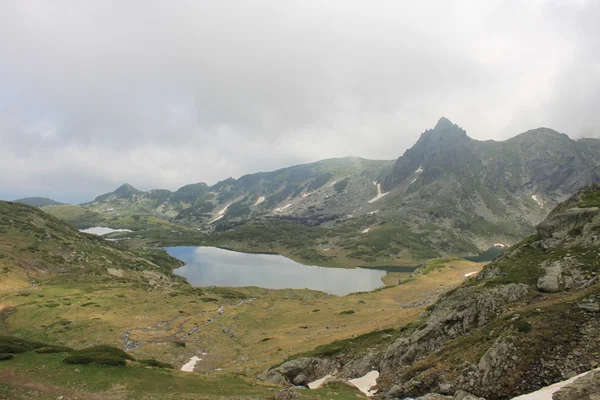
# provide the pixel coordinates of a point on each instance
(211, 266)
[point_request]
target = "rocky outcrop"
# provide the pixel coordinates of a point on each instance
(454, 315)
(300, 371)
(585, 388)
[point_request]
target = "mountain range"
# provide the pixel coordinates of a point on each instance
(449, 194)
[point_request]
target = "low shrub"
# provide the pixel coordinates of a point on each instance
(11, 344)
(4, 356)
(53, 349)
(523, 326)
(102, 355)
(155, 363)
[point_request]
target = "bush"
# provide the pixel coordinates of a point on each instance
(523, 326)
(11, 344)
(157, 364)
(4, 356)
(102, 355)
(178, 343)
(53, 349)
(347, 312)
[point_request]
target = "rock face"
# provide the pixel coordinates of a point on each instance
(585, 388)
(529, 319)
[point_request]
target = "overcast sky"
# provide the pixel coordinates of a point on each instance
(164, 93)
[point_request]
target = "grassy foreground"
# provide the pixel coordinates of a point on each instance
(68, 289)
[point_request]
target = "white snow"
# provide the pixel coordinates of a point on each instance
(259, 200)
(547, 392)
(365, 383)
(307, 194)
(418, 171)
(500, 245)
(102, 230)
(189, 366)
(366, 230)
(470, 273)
(537, 199)
(379, 194)
(318, 383)
(279, 209)
(222, 212)
(216, 219)
(332, 183)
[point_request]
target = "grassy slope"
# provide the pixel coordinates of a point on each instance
(84, 306)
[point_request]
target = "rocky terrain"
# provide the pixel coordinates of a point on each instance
(529, 319)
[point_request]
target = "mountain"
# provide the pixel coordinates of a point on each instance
(447, 195)
(38, 201)
(529, 319)
(311, 191)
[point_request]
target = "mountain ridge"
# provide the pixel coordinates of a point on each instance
(447, 195)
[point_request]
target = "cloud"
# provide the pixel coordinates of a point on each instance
(161, 94)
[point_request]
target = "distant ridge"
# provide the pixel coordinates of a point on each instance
(38, 201)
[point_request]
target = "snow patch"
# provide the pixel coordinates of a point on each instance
(500, 245)
(102, 230)
(259, 200)
(222, 212)
(538, 200)
(279, 209)
(307, 194)
(419, 170)
(189, 366)
(318, 383)
(379, 194)
(470, 273)
(547, 392)
(365, 383)
(366, 230)
(216, 219)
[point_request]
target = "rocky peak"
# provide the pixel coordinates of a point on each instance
(125, 190)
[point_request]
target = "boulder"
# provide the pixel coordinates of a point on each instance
(586, 387)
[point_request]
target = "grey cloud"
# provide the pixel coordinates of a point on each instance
(165, 93)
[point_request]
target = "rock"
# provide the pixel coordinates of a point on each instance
(553, 281)
(445, 388)
(394, 391)
(462, 395)
(303, 370)
(586, 387)
(434, 396)
(592, 307)
(275, 378)
(286, 394)
(300, 379)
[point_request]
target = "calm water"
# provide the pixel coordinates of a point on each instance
(209, 266)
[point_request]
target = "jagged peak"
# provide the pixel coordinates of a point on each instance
(126, 188)
(444, 123)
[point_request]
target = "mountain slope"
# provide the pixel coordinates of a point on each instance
(448, 195)
(530, 318)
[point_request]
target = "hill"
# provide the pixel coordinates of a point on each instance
(530, 318)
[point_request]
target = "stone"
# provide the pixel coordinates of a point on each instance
(592, 307)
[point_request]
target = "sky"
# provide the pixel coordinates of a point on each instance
(95, 93)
